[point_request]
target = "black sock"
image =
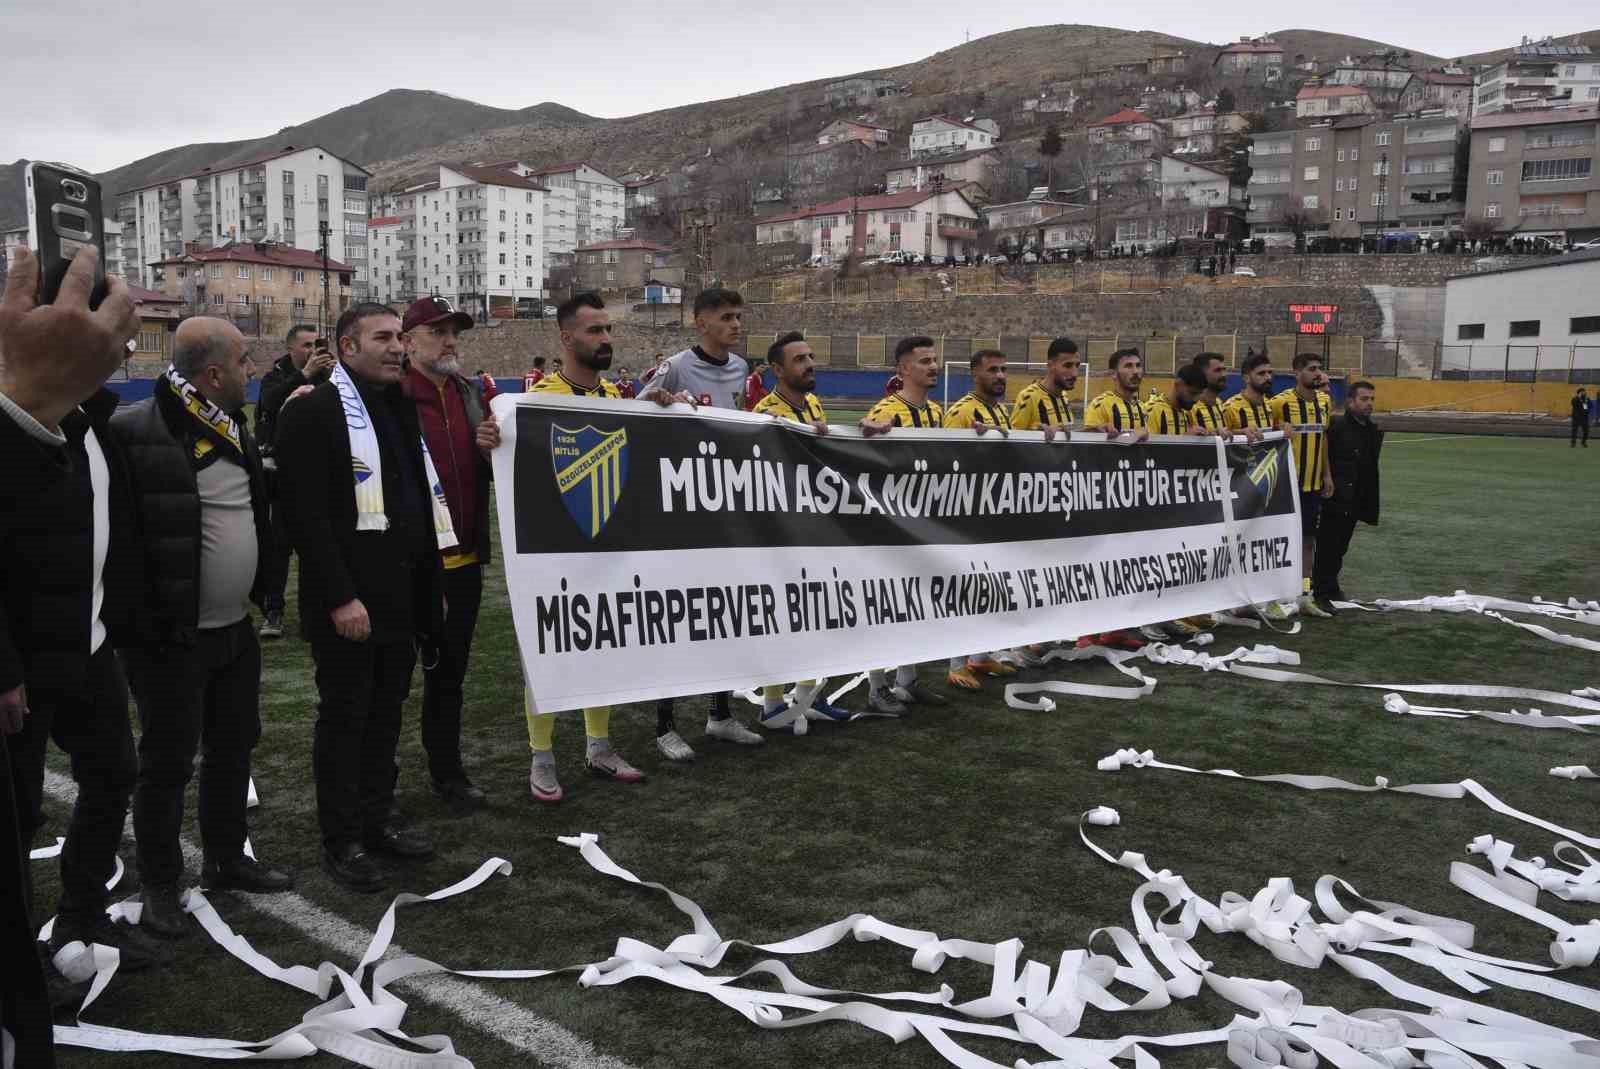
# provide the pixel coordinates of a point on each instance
(719, 707)
(664, 721)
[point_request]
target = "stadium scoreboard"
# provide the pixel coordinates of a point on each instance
(1314, 318)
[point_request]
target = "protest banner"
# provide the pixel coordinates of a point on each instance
(656, 552)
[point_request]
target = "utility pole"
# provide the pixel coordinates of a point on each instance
(322, 234)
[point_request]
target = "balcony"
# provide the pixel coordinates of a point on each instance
(254, 189)
(202, 197)
(172, 248)
(958, 233)
(127, 213)
(1545, 211)
(203, 223)
(255, 233)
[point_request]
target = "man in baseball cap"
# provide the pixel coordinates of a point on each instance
(456, 424)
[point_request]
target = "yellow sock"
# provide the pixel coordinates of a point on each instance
(1305, 585)
(541, 727)
(772, 692)
(597, 722)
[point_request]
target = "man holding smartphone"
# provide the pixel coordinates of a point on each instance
(306, 363)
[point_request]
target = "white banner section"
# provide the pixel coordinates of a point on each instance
(657, 552)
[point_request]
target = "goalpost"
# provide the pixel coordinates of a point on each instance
(1032, 371)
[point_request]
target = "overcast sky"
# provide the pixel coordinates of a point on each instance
(130, 80)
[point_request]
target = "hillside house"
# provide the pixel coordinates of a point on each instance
(851, 130)
(942, 133)
(1257, 59)
(921, 222)
(976, 168)
(1332, 101)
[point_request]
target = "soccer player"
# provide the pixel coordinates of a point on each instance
(1045, 405)
(711, 373)
(981, 409)
(1117, 410)
(1304, 413)
(1174, 413)
(916, 361)
(795, 366)
(585, 327)
(1250, 408)
(755, 388)
(534, 374)
(1207, 412)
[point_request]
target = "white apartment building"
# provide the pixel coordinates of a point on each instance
(583, 205)
(284, 197)
(1183, 180)
(1539, 76)
(942, 133)
(915, 221)
(476, 236)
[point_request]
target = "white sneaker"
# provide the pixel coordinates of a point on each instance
(542, 780)
(730, 730)
(1309, 606)
(673, 748)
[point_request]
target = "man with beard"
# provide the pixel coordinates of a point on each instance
(1118, 410)
(1304, 412)
(1046, 405)
(585, 327)
(305, 363)
(1250, 409)
(1174, 413)
(1206, 415)
(455, 423)
(981, 409)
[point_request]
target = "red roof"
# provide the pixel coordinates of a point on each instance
(144, 296)
(272, 255)
(386, 220)
(955, 122)
(1123, 117)
(1498, 119)
(490, 176)
(648, 246)
(880, 202)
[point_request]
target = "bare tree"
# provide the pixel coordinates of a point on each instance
(1050, 146)
(1299, 220)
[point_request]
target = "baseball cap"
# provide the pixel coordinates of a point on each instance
(426, 311)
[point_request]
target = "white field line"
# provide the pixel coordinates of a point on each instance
(1439, 438)
(545, 1041)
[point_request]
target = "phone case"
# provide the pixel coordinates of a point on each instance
(64, 214)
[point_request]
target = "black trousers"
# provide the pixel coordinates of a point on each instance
(93, 729)
(1334, 531)
(1582, 425)
(441, 685)
(24, 1004)
(275, 558)
(360, 688)
(206, 696)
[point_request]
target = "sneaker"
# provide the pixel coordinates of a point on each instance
(1273, 610)
(542, 780)
(1203, 622)
(1308, 605)
(783, 718)
(136, 949)
(1179, 629)
(272, 626)
(885, 701)
(1030, 656)
(964, 678)
(914, 693)
(605, 763)
(731, 730)
(1325, 603)
(822, 709)
(673, 748)
(989, 666)
(1155, 633)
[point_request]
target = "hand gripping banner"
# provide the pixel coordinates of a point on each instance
(656, 552)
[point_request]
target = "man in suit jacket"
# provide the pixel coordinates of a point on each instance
(359, 508)
(1354, 442)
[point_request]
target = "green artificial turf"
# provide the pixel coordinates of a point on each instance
(963, 820)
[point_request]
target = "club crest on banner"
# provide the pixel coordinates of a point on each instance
(361, 469)
(590, 467)
(1264, 474)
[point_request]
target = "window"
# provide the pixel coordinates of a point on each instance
(502, 258)
(1524, 328)
(1571, 71)
(150, 341)
(299, 304)
(1341, 155)
(1491, 211)
(502, 277)
(1310, 201)
(1594, 92)
(267, 274)
(215, 271)
(266, 300)
(527, 282)
(299, 278)
(1380, 168)
(1338, 185)
(611, 276)
(1497, 144)
(502, 210)
(1355, 154)
(1495, 178)
(502, 237)
(1352, 184)
(1584, 325)
(217, 298)
(244, 272)
(1313, 144)
(1565, 170)
(1313, 173)
(1382, 138)
(1469, 331)
(1380, 199)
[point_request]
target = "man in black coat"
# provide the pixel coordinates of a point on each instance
(303, 364)
(59, 599)
(360, 513)
(1580, 417)
(1354, 442)
(196, 666)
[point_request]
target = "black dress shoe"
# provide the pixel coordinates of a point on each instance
(397, 840)
(353, 867)
(161, 915)
(243, 874)
(1326, 605)
(136, 949)
(460, 792)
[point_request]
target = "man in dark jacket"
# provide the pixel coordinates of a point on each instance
(451, 410)
(1354, 442)
(196, 668)
(303, 364)
(1580, 417)
(359, 507)
(61, 594)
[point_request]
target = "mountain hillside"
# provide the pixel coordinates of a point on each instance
(1587, 37)
(1333, 47)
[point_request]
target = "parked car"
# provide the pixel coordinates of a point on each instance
(1244, 272)
(1586, 246)
(994, 258)
(549, 311)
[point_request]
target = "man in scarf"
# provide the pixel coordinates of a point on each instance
(204, 527)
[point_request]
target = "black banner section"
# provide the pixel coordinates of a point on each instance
(619, 477)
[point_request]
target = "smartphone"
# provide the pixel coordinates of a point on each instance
(320, 345)
(64, 215)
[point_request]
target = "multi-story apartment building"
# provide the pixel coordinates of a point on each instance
(392, 238)
(1195, 133)
(583, 205)
(1537, 173)
(621, 264)
(1539, 76)
(921, 222)
(943, 133)
(977, 167)
(477, 238)
(279, 284)
(1258, 59)
(1358, 177)
(285, 197)
(1122, 152)
(1450, 91)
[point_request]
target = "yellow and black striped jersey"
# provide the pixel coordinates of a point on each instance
(775, 404)
(1207, 416)
(898, 412)
(1109, 410)
(1163, 418)
(1037, 407)
(559, 383)
(1241, 412)
(1305, 421)
(972, 409)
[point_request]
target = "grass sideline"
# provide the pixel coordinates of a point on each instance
(963, 820)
